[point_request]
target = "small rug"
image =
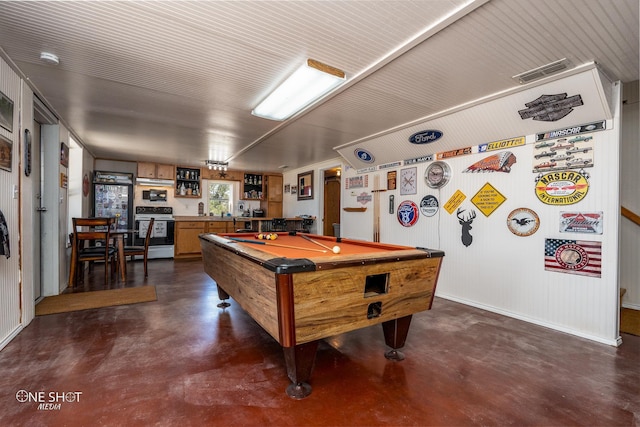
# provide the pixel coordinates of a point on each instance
(630, 321)
(95, 299)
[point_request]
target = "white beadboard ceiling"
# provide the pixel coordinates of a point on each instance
(175, 82)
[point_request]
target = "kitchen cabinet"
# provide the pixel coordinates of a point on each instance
(155, 170)
(272, 203)
(220, 227)
(188, 182)
(252, 188)
(186, 242)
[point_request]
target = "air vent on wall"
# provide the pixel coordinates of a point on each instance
(544, 71)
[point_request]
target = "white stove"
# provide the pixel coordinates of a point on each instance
(161, 242)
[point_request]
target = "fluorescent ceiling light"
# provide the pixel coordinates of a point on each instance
(308, 83)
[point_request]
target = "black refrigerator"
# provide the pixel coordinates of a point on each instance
(113, 197)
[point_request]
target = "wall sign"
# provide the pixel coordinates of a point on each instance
(425, 136)
(581, 222)
(407, 213)
(523, 222)
(465, 221)
(408, 181)
(429, 205)
(488, 199)
(496, 163)
(454, 153)
(561, 188)
(550, 108)
(501, 145)
(85, 186)
(570, 131)
(563, 153)
(573, 256)
(454, 201)
(364, 155)
(391, 180)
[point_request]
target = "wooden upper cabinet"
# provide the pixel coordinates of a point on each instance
(274, 188)
(154, 170)
(165, 171)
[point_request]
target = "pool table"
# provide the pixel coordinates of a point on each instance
(300, 291)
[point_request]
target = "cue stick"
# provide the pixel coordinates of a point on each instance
(313, 241)
(255, 242)
(376, 208)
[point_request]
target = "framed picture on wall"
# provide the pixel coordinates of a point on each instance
(6, 147)
(6, 112)
(305, 186)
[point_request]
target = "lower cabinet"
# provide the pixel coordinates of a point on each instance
(187, 244)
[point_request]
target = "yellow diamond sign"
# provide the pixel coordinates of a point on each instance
(488, 199)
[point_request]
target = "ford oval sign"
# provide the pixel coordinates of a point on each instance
(364, 155)
(425, 136)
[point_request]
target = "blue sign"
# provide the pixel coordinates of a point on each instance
(407, 213)
(425, 136)
(364, 155)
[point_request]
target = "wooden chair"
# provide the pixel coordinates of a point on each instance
(132, 251)
(90, 242)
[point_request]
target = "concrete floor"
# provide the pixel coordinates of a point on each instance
(181, 361)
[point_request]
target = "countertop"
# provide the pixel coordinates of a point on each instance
(227, 218)
(206, 218)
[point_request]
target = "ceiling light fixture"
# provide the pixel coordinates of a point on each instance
(49, 58)
(306, 85)
(215, 165)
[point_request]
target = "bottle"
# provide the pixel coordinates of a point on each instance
(183, 190)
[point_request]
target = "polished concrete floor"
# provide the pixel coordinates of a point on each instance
(181, 361)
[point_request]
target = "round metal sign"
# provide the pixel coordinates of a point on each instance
(429, 205)
(407, 213)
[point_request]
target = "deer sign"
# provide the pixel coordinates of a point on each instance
(465, 221)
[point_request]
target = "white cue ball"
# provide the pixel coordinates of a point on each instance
(336, 249)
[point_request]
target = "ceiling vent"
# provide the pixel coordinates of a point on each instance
(544, 71)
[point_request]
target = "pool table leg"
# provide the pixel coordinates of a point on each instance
(224, 296)
(300, 360)
(395, 335)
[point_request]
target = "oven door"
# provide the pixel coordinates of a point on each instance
(162, 234)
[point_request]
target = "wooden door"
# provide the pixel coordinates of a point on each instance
(331, 204)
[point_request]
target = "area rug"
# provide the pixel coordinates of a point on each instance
(95, 299)
(630, 321)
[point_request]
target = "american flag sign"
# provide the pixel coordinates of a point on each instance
(573, 256)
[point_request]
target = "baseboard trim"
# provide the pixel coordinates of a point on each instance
(612, 342)
(10, 337)
(631, 306)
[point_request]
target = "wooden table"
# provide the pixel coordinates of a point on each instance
(300, 295)
(118, 237)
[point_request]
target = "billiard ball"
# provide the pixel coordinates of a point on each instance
(336, 249)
